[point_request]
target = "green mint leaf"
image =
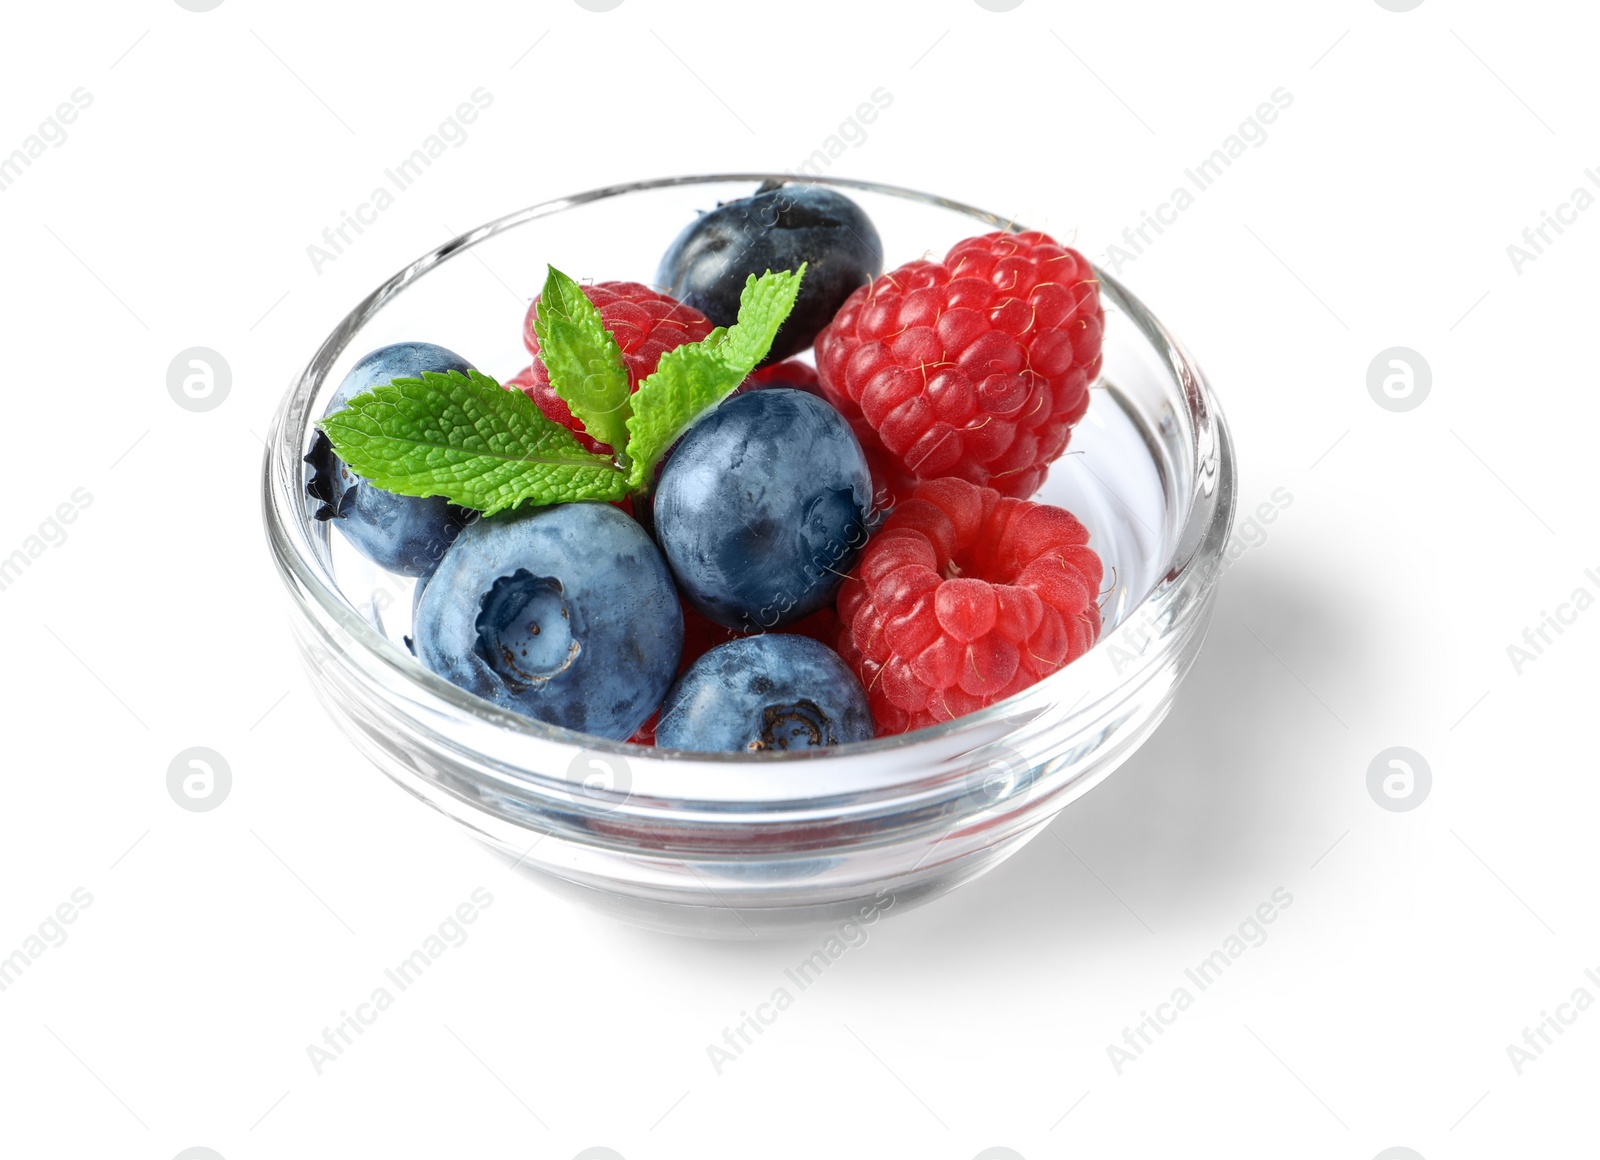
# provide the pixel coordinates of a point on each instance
(468, 439)
(686, 382)
(583, 358)
(698, 376)
(763, 305)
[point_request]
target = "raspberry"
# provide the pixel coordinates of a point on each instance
(975, 367)
(963, 598)
(646, 324)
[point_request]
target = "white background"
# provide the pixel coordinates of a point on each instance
(1378, 611)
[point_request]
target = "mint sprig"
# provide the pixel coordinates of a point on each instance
(468, 439)
(584, 360)
(694, 378)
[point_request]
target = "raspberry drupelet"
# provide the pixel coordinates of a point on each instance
(646, 323)
(975, 367)
(963, 598)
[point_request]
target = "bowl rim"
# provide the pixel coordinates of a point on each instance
(302, 564)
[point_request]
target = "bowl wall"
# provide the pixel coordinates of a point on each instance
(736, 845)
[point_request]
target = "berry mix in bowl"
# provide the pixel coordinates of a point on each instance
(796, 558)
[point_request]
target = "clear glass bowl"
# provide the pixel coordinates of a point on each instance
(734, 845)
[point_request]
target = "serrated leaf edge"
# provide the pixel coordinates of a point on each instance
(643, 460)
(574, 309)
(524, 409)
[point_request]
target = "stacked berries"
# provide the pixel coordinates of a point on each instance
(762, 599)
(646, 325)
(976, 367)
(964, 597)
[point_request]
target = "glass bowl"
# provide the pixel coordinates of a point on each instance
(735, 845)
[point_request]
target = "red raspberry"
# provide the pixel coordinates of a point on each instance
(963, 598)
(646, 324)
(975, 367)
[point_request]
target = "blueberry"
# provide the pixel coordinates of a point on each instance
(763, 508)
(416, 602)
(773, 691)
(399, 532)
(564, 613)
(776, 228)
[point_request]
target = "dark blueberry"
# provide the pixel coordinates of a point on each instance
(399, 532)
(763, 508)
(773, 691)
(564, 613)
(776, 228)
(416, 603)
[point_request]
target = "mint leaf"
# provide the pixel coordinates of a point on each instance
(468, 439)
(686, 382)
(583, 358)
(763, 305)
(693, 378)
